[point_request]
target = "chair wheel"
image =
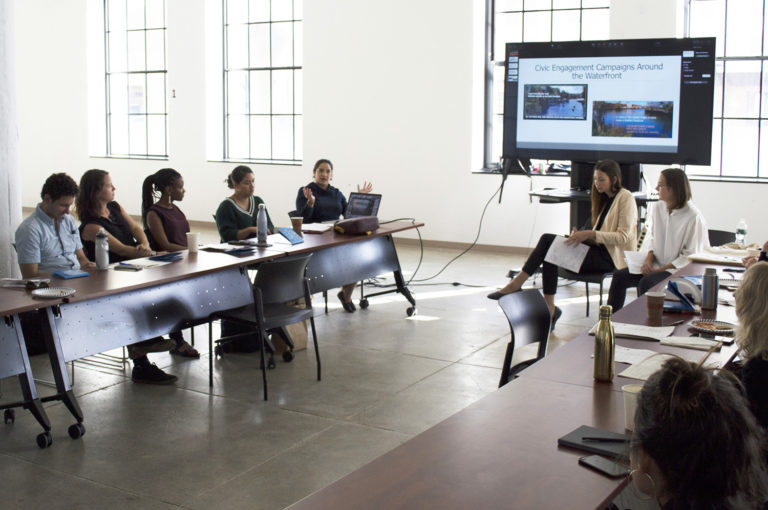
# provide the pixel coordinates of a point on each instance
(364, 303)
(271, 363)
(76, 430)
(218, 351)
(9, 416)
(288, 356)
(411, 311)
(44, 440)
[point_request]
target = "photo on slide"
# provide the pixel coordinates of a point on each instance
(635, 119)
(555, 102)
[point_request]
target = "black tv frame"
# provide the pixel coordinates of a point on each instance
(696, 98)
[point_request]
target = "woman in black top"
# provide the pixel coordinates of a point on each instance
(318, 201)
(97, 209)
(752, 337)
(695, 444)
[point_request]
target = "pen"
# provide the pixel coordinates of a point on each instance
(676, 322)
(605, 439)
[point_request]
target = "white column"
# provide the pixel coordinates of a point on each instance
(10, 184)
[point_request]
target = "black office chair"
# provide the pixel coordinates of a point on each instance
(529, 322)
(587, 278)
(720, 237)
(276, 283)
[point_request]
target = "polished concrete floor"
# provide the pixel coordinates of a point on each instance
(386, 378)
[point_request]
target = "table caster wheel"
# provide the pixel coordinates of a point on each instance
(411, 311)
(364, 303)
(9, 416)
(44, 440)
(288, 356)
(218, 351)
(271, 363)
(76, 430)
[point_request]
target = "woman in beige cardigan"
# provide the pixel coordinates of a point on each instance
(614, 222)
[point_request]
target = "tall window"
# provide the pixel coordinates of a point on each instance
(740, 125)
(262, 80)
(135, 78)
(531, 21)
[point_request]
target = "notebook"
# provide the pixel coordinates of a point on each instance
(362, 204)
(575, 439)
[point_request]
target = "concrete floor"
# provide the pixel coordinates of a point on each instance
(386, 378)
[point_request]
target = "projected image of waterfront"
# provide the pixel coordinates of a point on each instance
(555, 102)
(636, 119)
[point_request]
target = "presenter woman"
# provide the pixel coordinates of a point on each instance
(167, 227)
(677, 230)
(236, 215)
(97, 209)
(695, 444)
(318, 201)
(614, 230)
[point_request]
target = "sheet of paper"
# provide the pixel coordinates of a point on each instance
(316, 227)
(278, 239)
(691, 342)
(567, 257)
(639, 331)
(631, 356)
(635, 261)
(646, 367)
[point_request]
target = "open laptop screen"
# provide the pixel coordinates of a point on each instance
(362, 204)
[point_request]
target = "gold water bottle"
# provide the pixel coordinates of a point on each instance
(605, 346)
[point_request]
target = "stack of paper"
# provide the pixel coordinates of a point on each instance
(638, 331)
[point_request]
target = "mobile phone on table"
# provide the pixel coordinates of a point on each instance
(605, 466)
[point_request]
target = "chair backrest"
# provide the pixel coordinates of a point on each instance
(720, 237)
(282, 280)
(529, 322)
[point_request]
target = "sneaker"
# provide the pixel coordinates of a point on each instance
(150, 374)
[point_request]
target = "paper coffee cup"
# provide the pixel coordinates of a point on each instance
(296, 222)
(193, 240)
(630, 391)
(655, 306)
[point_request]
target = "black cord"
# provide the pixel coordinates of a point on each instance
(479, 229)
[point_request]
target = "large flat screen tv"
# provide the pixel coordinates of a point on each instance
(632, 100)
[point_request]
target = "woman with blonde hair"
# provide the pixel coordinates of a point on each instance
(752, 337)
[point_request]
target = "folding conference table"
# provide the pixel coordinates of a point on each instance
(111, 309)
(502, 451)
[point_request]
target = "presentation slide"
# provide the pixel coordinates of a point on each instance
(599, 103)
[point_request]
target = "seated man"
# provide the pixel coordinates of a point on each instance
(47, 241)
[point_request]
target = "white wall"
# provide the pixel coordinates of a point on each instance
(391, 94)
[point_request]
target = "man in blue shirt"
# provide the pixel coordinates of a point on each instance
(47, 241)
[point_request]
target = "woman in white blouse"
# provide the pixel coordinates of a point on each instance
(677, 230)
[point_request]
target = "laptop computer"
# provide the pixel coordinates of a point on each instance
(362, 204)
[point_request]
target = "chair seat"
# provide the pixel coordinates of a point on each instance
(582, 277)
(275, 315)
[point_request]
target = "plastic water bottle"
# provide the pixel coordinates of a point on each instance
(741, 231)
(102, 249)
(261, 226)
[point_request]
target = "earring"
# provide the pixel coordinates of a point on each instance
(637, 492)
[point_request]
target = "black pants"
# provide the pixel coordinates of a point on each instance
(623, 279)
(598, 260)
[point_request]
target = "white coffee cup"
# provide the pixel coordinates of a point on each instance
(631, 392)
(193, 239)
